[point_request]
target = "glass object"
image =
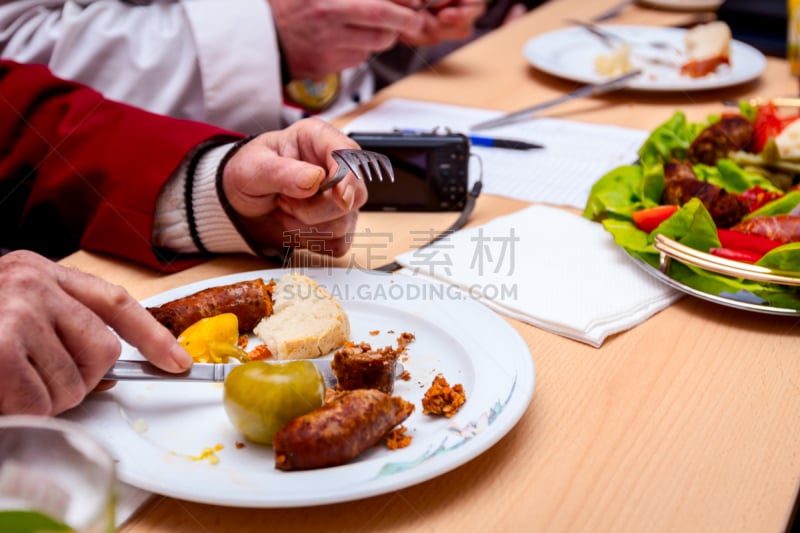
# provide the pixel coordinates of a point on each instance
(793, 35)
(54, 476)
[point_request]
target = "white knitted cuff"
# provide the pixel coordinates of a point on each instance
(215, 229)
(170, 226)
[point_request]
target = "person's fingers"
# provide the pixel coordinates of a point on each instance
(344, 198)
(332, 228)
(25, 392)
(292, 163)
(128, 318)
(516, 11)
(388, 16)
(104, 385)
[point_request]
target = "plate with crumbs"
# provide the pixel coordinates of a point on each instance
(174, 438)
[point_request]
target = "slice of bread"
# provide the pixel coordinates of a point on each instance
(306, 322)
(708, 41)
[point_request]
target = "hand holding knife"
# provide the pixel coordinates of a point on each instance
(594, 89)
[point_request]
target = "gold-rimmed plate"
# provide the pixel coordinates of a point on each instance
(670, 250)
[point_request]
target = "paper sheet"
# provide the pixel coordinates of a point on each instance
(575, 156)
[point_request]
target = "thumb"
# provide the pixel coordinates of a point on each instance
(253, 189)
(296, 179)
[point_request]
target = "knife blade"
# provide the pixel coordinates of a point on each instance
(126, 370)
(594, 89)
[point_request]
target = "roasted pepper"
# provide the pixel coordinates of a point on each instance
(213, 339)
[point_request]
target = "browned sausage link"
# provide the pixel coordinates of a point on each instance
(358, 366)
(783, 228)
(338, 431)
(729, 134)
(678, 170)
(250, 301)
(725, 208)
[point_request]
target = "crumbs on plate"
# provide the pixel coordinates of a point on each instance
(208, 454)
(397, 438)
(442, 399)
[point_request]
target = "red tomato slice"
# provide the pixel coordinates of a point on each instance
(755, 197)
(768, 124)
(738, 240)
(745, 256)
(649, 218)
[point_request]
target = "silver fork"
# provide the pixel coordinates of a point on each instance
(366, 166)
(610, 39)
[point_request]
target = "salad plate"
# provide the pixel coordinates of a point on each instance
(739, 300)
(683, 246)
(570, 53)
(174, 438)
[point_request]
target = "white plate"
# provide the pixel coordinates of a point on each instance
(570, 53)
(683, 5)
(455, 336)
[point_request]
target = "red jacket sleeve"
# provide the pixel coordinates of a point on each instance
(78, 170)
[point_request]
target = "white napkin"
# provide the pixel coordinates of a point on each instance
(129, 500)
(549, 268)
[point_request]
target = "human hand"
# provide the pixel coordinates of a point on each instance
(445, 20)
(272, 182)
(321, 37)
(55, 345)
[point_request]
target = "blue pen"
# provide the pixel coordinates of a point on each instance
(491, 142)
(511, 144)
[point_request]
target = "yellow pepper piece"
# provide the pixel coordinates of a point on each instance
(213, 339)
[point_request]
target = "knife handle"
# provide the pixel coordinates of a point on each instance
(135, 370)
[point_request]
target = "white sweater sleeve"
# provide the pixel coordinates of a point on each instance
(214, 228)
(200, 59)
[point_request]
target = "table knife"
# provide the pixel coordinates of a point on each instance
(778, 101)
(594, 89)
(124, 370)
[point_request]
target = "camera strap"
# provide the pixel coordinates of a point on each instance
(469, 206)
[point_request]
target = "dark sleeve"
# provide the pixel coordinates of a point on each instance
(80, 171)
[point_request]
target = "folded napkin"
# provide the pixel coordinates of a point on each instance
(549, 268)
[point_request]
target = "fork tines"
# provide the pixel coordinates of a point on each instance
(364, 164)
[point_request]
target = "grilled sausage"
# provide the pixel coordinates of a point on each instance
(726, 209)
(338, 431)
(729, 134)
(783, 228)
(250, 301)
(359, 366)
(678, 170)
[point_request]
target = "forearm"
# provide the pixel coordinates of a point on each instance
(82, 170)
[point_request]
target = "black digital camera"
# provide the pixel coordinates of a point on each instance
(431, 170)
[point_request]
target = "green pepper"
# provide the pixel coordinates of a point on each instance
(261, 397)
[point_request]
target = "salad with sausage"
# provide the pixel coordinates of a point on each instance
(729, 186)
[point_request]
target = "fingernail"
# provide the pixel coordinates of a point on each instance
(309, 180)
(181, 357)
(349, 197)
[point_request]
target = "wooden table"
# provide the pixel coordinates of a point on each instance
(688, 422)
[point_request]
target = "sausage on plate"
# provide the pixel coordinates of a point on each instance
(338, 431)
(730, 134)
(250, 301)
(726, 209)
